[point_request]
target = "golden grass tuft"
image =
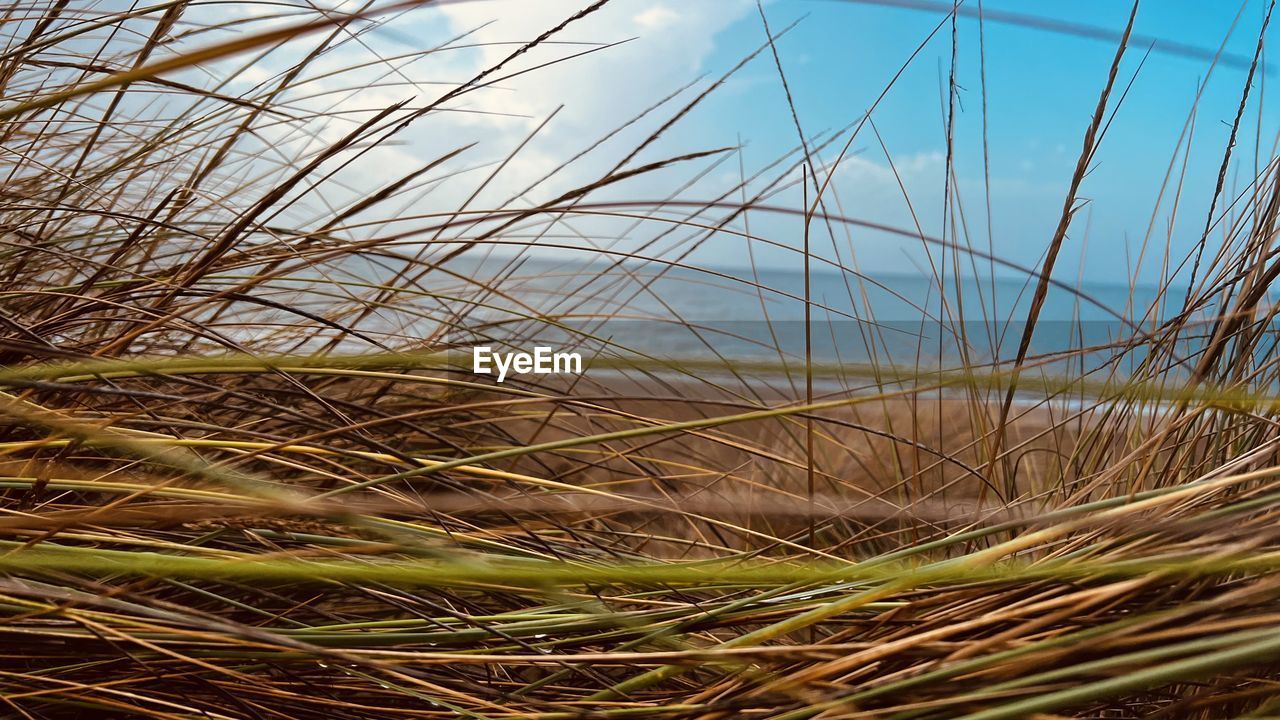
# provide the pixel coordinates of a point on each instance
(243, 476)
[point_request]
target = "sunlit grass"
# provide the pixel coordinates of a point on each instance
(247, 472)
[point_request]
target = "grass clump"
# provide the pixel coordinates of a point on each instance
(246, 472)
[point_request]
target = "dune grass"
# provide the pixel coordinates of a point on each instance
(246, 471)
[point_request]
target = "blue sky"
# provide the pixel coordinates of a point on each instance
(1042, 87)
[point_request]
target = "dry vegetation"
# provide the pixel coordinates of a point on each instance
(241, 480)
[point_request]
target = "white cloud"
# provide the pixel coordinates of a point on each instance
(658, 16)
(655, 50)
(662, 49)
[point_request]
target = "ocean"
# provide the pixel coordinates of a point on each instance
(736, 317)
